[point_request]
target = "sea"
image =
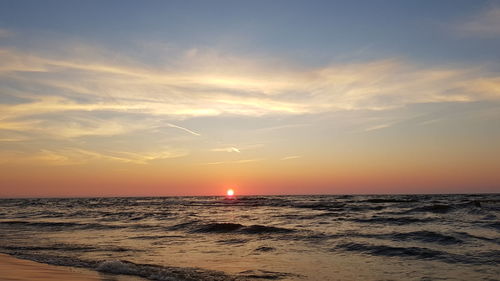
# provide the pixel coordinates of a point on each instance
(320, 237)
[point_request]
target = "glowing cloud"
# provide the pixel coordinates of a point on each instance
(74, 100)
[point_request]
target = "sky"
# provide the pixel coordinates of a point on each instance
(161, 98)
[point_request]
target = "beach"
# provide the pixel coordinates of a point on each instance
(13, 269)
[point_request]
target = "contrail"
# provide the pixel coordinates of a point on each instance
(184, 129)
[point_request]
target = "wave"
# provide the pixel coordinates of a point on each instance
(265, 249)
(48, 248)
(233, 241)
(153, 271)
(148, 271)
(54, 225)
(418, 236)
(258, 229)
(61, 225)
(156, 272)
(197, 226)
(236, 227)
(265, 274)
(182, 226)
(132, 216)
(390, 251)
(393, 220)
(40, 224)
(154, 237)
(65, 248)
(219, 227)
(495, 225)
(488, 257)
(436, 208)
(402, 252)
(473, 206)
(427, 236)
(389, 200)
(471, 236)
(324, 206)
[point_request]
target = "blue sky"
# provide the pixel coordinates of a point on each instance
(309, 32)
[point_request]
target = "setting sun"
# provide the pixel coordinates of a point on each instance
(354, 132)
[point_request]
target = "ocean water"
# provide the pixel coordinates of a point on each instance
(396, 237)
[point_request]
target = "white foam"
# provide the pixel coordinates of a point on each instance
(160, 273)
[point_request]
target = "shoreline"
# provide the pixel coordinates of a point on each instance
(16, 269)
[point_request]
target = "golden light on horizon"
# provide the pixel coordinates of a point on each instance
(230, 192)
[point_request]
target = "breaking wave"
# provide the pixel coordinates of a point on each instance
(236, 227)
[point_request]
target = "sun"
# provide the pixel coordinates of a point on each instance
(230, 192)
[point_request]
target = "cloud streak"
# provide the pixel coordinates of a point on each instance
(291, 157)
(227, 149)
(184, 129)
(78, 156)
(243, 161)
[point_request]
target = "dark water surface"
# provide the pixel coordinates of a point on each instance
(393, 237)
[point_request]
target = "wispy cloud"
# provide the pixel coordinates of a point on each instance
(74, 97)
(291, 157)
(12, 139)
(106, 86)
(378, 127)
(484, 24)
(226, 149)
(281, 127)
(235, 161)
(77, 156)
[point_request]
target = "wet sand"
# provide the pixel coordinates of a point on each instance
(13, 269)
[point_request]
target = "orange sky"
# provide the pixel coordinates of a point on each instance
(290, 101)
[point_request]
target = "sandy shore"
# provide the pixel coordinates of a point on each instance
(16, 269)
